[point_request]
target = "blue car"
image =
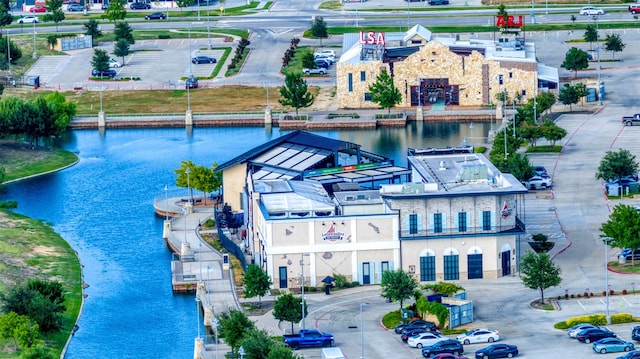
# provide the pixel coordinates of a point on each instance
(610, 345)
(631, 355)
(497, 351)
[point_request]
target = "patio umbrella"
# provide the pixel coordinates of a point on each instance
(328, 279)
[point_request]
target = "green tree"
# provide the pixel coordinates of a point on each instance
(308, 61)
(617, 164)
(568, 95)
(115, 11)
(538, 272)
(319, 28)
(184, 178)
(52, 41)
(256, 282)
(552, 132)
(206, 179)
(545, 101)
(5, 13)
(100, 60)
(18, 328)
(122, 30)
(55, 13)
(61, 111)
(14, 53)
(37, 351)
(46, 313)
(281, 351)
(530, 132)
(186, 3)
(121, 49)
(590, 35)
(575, 60)
(295, 92)
(92, 28)
(257, 343)
(384, 92)
(614, 43)
(233, 325)
(623, 227)
(289, 308)
(398, 285)
(520, 167)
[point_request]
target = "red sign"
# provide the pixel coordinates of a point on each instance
(372, 38)
(510, 21)
(332, 235)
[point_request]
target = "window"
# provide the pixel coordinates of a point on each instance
(427, 268)
(451, 271)
(462, 221)
(474, 266)
(500, 80)
(363, 76)
(283, 276)
(524, 92)
(486, 220)
(437, 223)
(510, 75)
(350, 81)
(413, 224)
(367, 96)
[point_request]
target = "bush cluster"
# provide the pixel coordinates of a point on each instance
(240, 50)
(291, 51)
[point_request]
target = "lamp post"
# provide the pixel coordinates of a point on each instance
(362, 331)
(595, 17)
(533, 15)
(302, 286)
(198, 313)
(199, 9)
(606, 240)
(266, 86)
(216, 324)
(8, 53)
(209, 27)
(184, 211)
(241, 352)
(166, 198)
(188, 171)
(101, 89)
(471, 128)
(190, 68)
(35, 52)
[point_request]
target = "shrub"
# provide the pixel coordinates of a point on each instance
(340, 280)
(596, 319)
(624, 292)
(480, 149)
(604, 293)
(561, 325)
(164, 36)
(566, 296)
(621, 318)
(579, 295)
(443, 288)
(573, 296)
(611, 292)
(586, 294)
(355, 283)
(391, 319)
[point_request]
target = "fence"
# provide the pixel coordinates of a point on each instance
(225, 234)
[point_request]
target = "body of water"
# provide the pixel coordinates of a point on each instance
(103, 207)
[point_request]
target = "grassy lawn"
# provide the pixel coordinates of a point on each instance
(20, 160)
(31, 249)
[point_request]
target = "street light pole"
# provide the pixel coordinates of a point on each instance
(166, 198)
(606, 240)
(35, 52)
(362, 331)
(198, 313)
(266, 85)
(216, 324)
(533, 15)
(190, 55)
(188, 171)
(302, 265)
(598, 55)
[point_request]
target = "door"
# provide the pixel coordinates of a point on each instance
(506, 263)
(474, 269)
(283, 276)
(366, 273)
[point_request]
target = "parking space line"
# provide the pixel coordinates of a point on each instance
(580, 304)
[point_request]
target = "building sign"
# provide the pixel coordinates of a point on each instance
(372, 38)
(511, 22)
(506, 211)
(332, 235)
(362, 166)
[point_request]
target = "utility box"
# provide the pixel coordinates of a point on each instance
(406, 314)
(225, 262)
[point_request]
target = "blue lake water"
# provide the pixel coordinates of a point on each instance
(103, 207)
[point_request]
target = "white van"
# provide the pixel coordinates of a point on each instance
(332, 353)
(325, 52)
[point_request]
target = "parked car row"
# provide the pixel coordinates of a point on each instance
(541, 179)
(323, 59)
(424, 335)
(604, 340)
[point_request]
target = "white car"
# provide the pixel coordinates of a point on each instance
(114, 63)
(479, 336)
(573, 331)
(591, 10)
(538, 182)
(316, 71)
(29, 19)
(425, 339)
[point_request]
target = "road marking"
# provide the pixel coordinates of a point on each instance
(580, 304)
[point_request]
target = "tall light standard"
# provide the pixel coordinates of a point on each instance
(35, 52)
(216, 324)
(302, 265)
(190, 54)
(198, 313)
(166, 198)
(533, 15)
(606, 240)
(209, 27)
(595, 17)
(188, 171)
(362, 331)
(199, 9)
(471, 129)
(8, 52)
(266, 86)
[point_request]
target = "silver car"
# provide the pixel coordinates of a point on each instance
(538, 182)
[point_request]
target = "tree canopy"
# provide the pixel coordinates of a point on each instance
(590, 35)
(318, 27)
(575, 60)
(55, 13)
(398, 285)
(617, 164)
(614, 43)
(5, 13)
(122, 30)
(256, 282)
(289, 308)
(623, 227)
(121, 49)
(569, 95)
(233, 325)
(538, 272)
(383, 91)
(92, 28)
(100, 60)
(115, 11)
(295, 92)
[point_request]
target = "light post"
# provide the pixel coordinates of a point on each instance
(209, 27)
(471, 128)
(166, 198)
(198, 313)
(184, 211)
(362, 331)
(241, 352)
(190, 55)
(216, 324)
(101, 89)
(302, 265)
(533, 15)
(595, 17)
(188, 171)
(8, 53)
(199, 9)
(408, 16)
(606, 240)
(266, 85)
(35, 52)
(491, 116)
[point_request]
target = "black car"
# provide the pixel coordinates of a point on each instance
(408, 334)
(201, 59)
(322, 63)
(631, 355)
(497, 351)
(191, 83)
(438, 2)
(108, 73)
(451, 346)
(635, 333)
(630, 254)
(75, 7)
(593, 334)
(139, 6)
(156, 16)
(416, 324)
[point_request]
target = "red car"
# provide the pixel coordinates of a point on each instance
(38, 8)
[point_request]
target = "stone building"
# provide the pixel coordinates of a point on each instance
(447, 71)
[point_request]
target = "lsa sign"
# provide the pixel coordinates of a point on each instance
(510, 22)
(372, 38)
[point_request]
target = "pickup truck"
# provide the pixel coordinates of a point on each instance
(308, 338)
(630, 120)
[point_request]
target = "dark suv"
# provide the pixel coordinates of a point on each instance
(191, 83)
(139, 6)
(108, 73)
(450, 346)
(635, 333)
(416, 324)
(594, 334)
(438, 2)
